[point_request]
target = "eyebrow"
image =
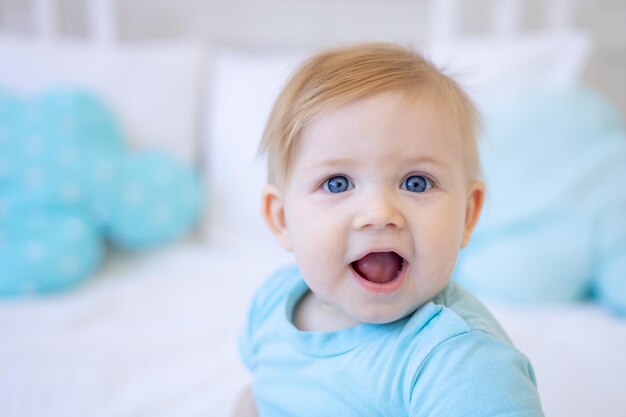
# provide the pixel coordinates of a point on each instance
(330, 163)
(427, 159)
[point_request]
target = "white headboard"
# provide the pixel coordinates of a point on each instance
(100, 19)
(44, 18)
(505, 19)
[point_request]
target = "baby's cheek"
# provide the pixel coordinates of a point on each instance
(449, 226)
(440, 247)
(318, 245)
(444, 261)
(305, 238)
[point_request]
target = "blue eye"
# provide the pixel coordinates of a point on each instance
(337, 184)
(417, 184)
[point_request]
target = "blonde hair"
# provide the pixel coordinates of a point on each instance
(337, 76)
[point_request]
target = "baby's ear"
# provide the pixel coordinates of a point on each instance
(475, 197)
(273, 211)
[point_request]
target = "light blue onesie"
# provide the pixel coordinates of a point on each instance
(450, 358)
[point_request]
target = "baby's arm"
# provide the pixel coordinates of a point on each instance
(245, 406)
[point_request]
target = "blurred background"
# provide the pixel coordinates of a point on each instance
(130, 234)
(271, 24)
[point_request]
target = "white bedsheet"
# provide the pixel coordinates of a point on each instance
(155, 335)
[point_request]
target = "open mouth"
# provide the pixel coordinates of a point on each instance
(379, 267)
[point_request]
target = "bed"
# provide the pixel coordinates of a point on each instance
(154, 332)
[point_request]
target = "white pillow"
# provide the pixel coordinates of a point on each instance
(244, 85)
(241, 93)
(491, 68)
(153, 88)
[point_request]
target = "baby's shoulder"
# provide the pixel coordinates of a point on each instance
(274, 290)
(468, 312)
(470, 356)
(452, 313)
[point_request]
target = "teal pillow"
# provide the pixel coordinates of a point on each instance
(554, 224)
(45, 249)
(63, 148)
(59, 154)
(157, 200)
(67, 183)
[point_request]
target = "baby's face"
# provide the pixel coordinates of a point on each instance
(378, 205)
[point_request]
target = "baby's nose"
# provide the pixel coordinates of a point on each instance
(378, 211)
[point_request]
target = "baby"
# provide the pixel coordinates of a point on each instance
(374, 186)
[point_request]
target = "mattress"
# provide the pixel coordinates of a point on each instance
(155, 335)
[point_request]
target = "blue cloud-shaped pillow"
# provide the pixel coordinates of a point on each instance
(156, 201)
(554, 224)
(45, 249)
(63, 147)
(67, 184)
